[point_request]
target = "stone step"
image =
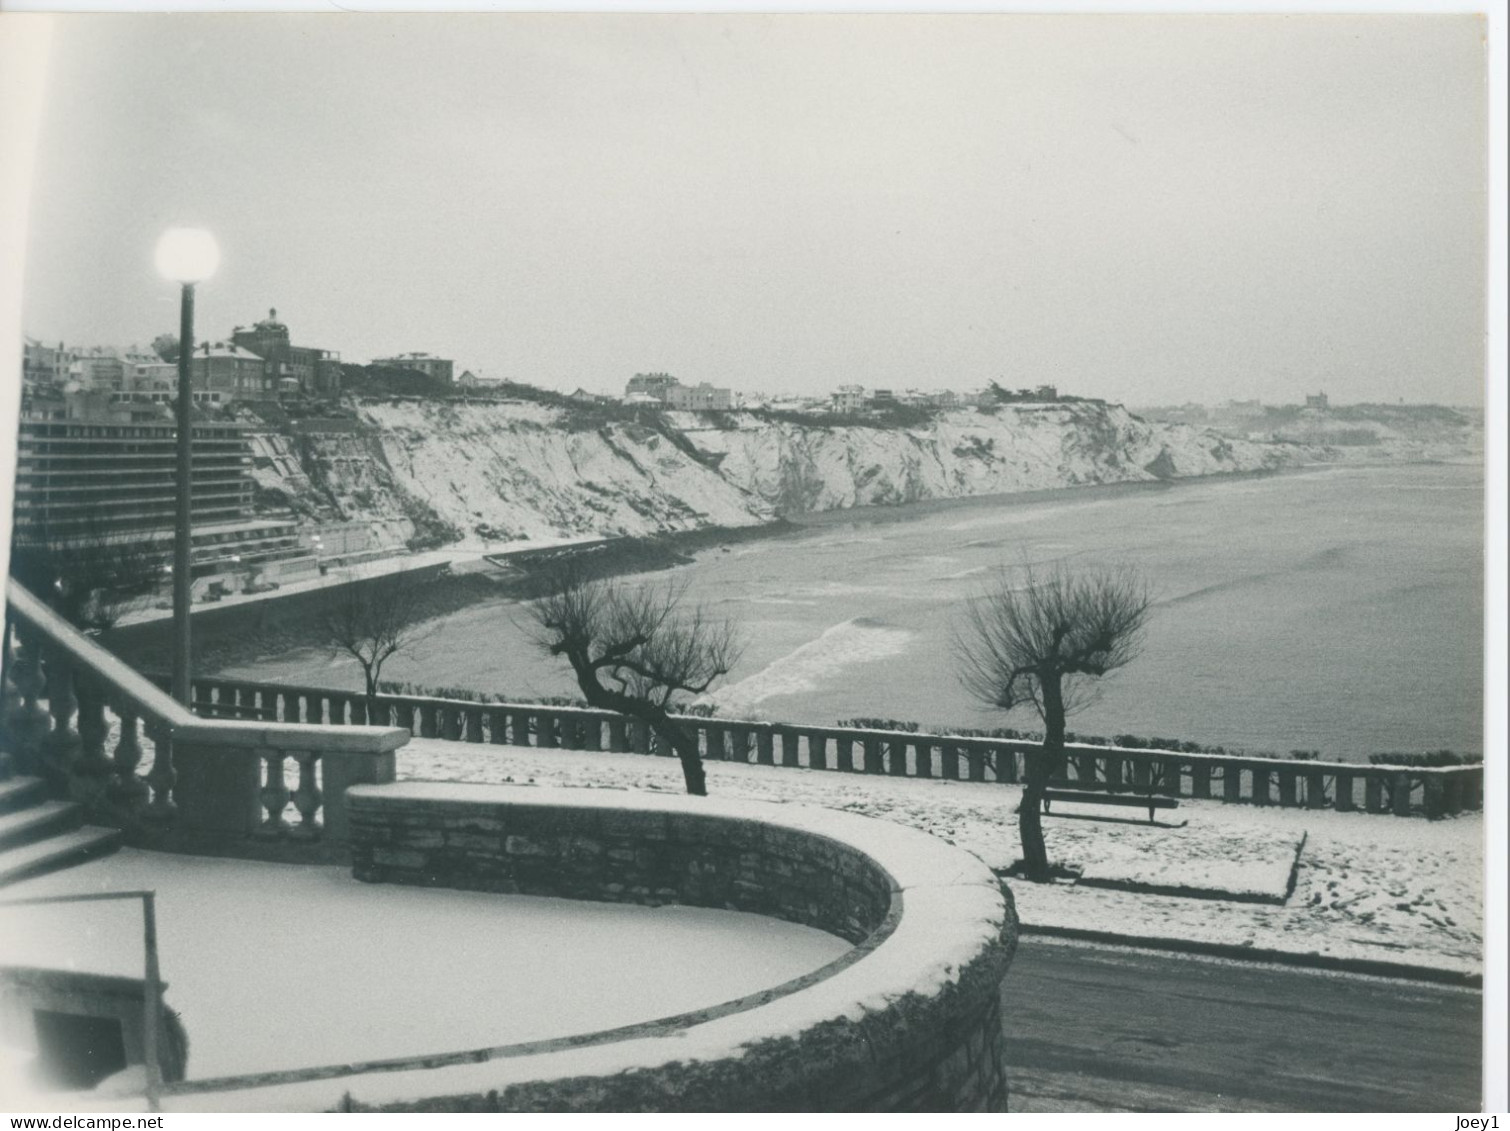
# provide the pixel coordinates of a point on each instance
(26, 826)
(21, 793)
(57, 852)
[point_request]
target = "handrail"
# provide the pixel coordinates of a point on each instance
(214, 783)
(152, 701)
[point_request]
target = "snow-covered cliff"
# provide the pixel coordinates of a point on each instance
(799, 468)
(483, 473)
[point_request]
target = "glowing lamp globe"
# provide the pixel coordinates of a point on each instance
(187, 255)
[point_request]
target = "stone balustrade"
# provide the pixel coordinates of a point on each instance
(1401, 790)
(86, 723)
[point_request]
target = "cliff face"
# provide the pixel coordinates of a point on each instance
(483, 473)
(799, 468)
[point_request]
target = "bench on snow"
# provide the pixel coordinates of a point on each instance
(1096, 797)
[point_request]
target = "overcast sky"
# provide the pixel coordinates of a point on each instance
(1150, 209)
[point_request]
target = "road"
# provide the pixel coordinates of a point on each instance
(1095, 1028)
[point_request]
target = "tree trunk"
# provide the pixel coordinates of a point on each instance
(1040, 769)
(371, 676)
(690, 756)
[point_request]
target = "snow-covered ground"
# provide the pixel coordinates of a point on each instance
(1403, 890)
(278, 966)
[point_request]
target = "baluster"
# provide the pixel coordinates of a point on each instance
(789, 748)
(520, 728)
(844, 752)
(1200, 779)
(1085, 769)
(817, 751)
(1343, 793)
(949, 761)
(896, 757)
(246, 703)
(1114, 775)
(92, 772)
(591, 730)
(765, 751)
(498, 727)
(1453, 793)
(275, 796)
(1315, 789)
(923, 759)
(1260, 785)
(10, 699)
(307, 796)
(618, 736)
(739, 745)
(127, 790)
(873, 758)
(1287, 797)
(29, 722)
(1400, 795)
(162, 777)
(61, 746)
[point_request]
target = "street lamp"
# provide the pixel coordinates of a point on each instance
(186, 256)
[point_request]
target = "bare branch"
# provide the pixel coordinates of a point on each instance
(373, 620)
(634, 647)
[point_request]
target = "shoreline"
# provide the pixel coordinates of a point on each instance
(877, 513)
(242, 636)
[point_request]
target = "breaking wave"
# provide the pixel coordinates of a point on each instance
(858, 641)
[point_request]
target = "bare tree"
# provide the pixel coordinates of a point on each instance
(1037, 643)
(634, 648)
(371, 621)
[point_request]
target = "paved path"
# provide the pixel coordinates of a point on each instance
(1094, 1028)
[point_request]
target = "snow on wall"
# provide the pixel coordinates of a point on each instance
(908, 1020)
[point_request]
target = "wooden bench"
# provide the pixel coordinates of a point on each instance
(1096, 797)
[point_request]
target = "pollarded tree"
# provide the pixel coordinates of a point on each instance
(371, 621)
(1037, 641)
(634, 648)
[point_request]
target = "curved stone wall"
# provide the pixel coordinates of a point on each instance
(908, 1020)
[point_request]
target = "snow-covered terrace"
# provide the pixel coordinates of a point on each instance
(1366, 888)
(278, 966)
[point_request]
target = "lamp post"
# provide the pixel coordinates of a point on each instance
(187, 256)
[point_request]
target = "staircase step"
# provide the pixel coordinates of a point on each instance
(27, 826)
(21, 793)
(57, 852)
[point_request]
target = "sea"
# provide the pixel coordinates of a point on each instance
(1338, 609)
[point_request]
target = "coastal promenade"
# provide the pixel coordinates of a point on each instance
(1101, 1028)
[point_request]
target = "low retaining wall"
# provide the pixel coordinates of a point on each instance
(908, 1020)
